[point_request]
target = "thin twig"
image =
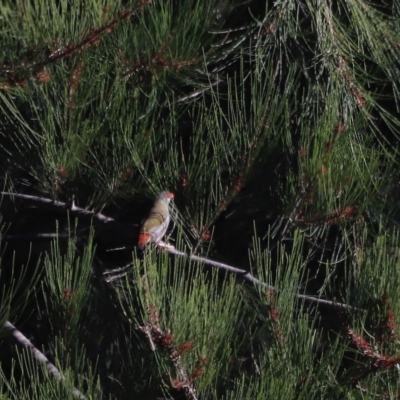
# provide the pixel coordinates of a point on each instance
(116, 270)
(115, 277)
(38, 355)
(146, 329)
(81, 212)
(36, 236)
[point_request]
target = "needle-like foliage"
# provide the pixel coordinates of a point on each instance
(276, 126)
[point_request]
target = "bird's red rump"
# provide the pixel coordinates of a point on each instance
(144, 238)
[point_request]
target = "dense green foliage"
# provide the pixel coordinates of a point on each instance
(276, 125)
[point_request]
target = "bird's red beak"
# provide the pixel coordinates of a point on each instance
(169, 195)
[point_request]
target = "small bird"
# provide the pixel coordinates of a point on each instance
(156, 224)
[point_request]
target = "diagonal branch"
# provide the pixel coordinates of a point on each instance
(247, 276)
(38, 355)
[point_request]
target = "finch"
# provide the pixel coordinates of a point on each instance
(156, 224)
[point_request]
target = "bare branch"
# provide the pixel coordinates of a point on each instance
(247, 276)
(81, 212)
(38, 355)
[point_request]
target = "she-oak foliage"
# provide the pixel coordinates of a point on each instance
(276, 125)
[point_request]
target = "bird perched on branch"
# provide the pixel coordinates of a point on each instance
(156, 224)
